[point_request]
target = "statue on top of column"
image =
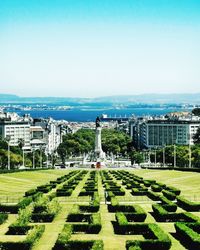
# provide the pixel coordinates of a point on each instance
(98, 124)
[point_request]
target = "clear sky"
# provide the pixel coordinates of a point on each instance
(91, 48)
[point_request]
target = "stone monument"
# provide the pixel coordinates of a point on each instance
(99, 154)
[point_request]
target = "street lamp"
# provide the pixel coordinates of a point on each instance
(190, 153)
(21, 145)
(8, 141)
(155, 158)
(164, 156)
(40, 157)
(174, 155)
(33, 158)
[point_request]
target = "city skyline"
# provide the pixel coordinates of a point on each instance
(87, 49)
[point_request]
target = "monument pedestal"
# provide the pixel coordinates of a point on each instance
(99, 154)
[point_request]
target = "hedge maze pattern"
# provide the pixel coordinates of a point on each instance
(98, 210)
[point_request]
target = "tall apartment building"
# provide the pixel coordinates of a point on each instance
(52, 133)
(151, 133)
(15, 130)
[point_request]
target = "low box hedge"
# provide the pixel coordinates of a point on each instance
(18, 230)
(42, 217)
(27, 244)
(155, 237)
(188, 205)
(139, 191)
(156, 188)
(174, 190)
(161, 215)
(189, 234)
(153, 196)
(81, 245)
(3, 218)
(169, 195)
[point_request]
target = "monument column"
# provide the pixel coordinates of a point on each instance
(100, 155)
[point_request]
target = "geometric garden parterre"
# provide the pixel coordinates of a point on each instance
(106, 209)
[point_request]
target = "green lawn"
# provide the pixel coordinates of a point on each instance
(188, 182)
(15, 184)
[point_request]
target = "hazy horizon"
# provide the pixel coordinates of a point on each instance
(94, 49)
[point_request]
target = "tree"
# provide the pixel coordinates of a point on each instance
(196, 111)
(136, 157)
(62, 152)
(115, 141)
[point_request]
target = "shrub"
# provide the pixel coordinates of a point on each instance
(188, 205)
(169, 195)
(35, 234)
(64, 237)
(174, 190)
(24, 216)
(162, 215)
(18, 230)
(77, 217)
(156, 188)
(155, 237)
(81, 245)
(98, 245)
(139, 191)
(30, 192)
(9, 208)
(188, 233)
(153, 196)
(27, 244)
(138, 216)
(3, 218)
(167, 204)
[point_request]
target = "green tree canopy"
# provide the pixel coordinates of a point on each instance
(196, 111)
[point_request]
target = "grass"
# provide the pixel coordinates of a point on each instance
(15, 184)
(188, 182)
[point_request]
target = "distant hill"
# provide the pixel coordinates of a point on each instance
(8, 97)
(124, 99)
(153, 98)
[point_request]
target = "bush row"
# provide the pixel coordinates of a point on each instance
(161, 215)
(27, 244)
(155, 237)
(189, 234)
(188, 205)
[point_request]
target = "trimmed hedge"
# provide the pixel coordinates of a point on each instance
(169, 195)
(189, 234)
(161, 215)
(155, 237)
(168, 205)
(139, 191)
(18, 230)
(14, 208)
(27, 244)
(174, 190)
(42, 217)
(156, 188)
(81, 245)
(3, 218)
(93, 227)
(188, 205)
(153, 196)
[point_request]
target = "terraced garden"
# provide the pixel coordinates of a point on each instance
(107, 209)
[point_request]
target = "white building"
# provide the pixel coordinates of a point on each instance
(52, 133)
(15, 131)
(151, 133)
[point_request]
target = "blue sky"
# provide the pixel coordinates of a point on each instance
(97, 48)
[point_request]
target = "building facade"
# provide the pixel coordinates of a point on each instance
(159, 132)
(15, 131)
